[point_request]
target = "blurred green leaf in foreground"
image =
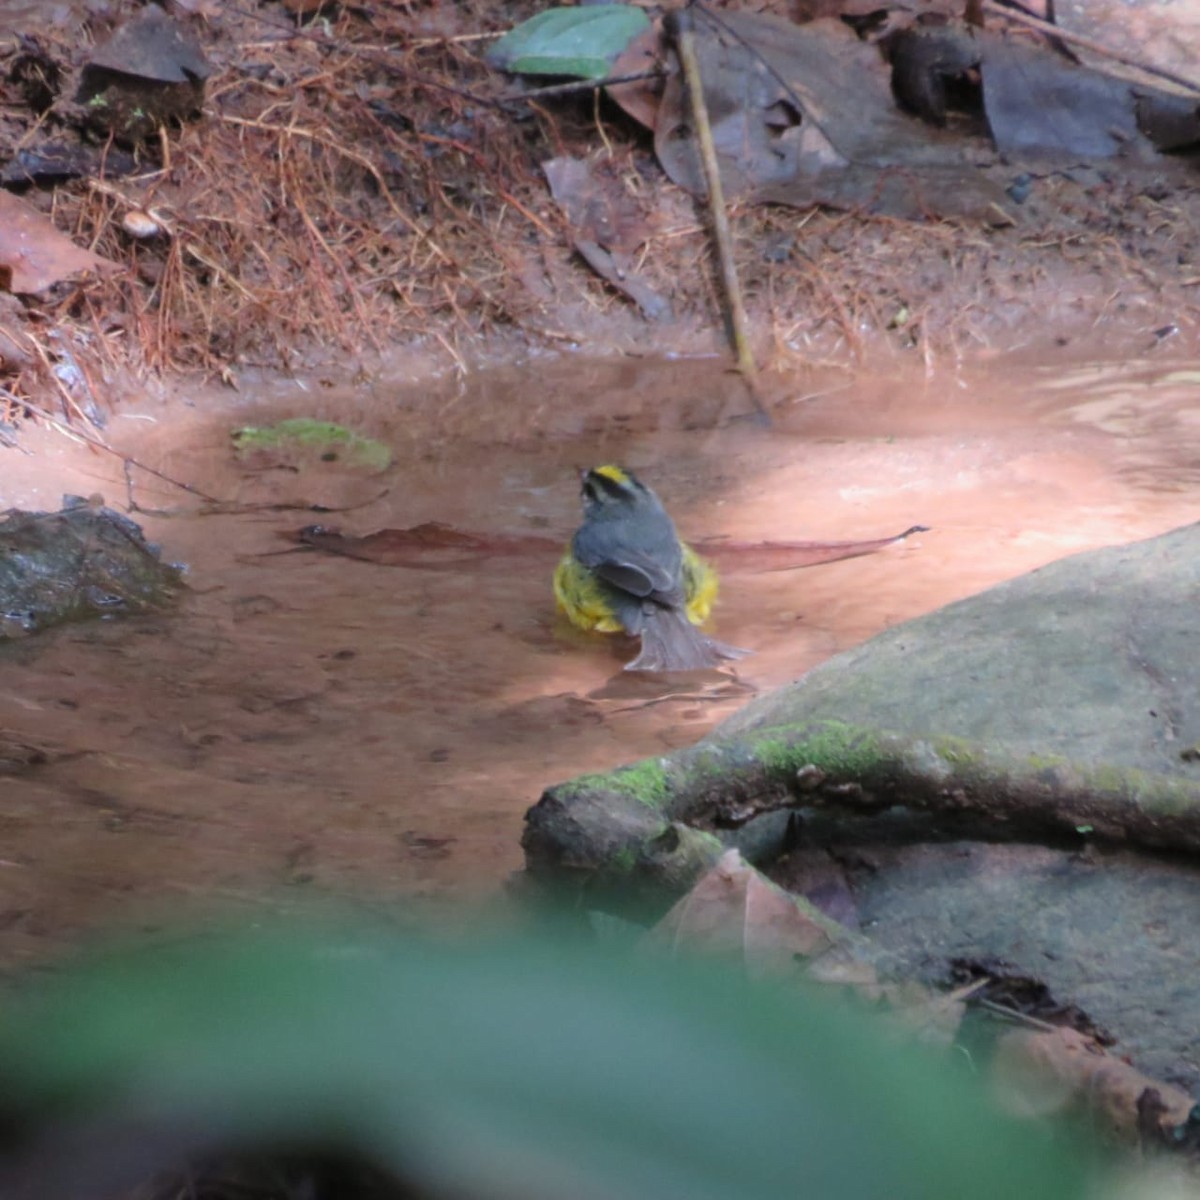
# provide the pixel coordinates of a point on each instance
(511, 1068)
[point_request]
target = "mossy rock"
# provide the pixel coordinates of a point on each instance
(84, 561)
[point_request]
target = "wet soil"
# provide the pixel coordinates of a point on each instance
(305, 725)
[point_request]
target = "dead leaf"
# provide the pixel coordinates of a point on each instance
(429, 547)
(736, 912)
(641, 98)
(1040, 1073)
(152, 45)
(1038, 102)
(596, 205)
(928, 1017)
(1037, 98)
(790, 556)
(606, 227)
(34, 255)
(844, 966)
(434, 546)
(1165, 36)
(804, 115)
(616, 270)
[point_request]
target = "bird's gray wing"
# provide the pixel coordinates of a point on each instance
(629, 569)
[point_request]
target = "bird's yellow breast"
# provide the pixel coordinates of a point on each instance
(699, 585)
(581, 598)
(578, 594)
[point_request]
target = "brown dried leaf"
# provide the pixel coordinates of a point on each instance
(1038, 102)
(641, 98)
(1036, 1073)
(596, 205)
(432, 546)
(616, 269)
(931, 1018)
(606, 226)
(737, 912)
(34, 256)
(804, 115)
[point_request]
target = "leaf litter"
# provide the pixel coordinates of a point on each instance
(365, 180)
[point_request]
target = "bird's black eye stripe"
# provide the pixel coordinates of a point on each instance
(596, 484)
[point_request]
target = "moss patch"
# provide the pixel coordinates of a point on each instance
(834, 746)
(958, 752)
(646, 781)
(624, 861)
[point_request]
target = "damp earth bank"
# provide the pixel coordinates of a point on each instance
(304, 725)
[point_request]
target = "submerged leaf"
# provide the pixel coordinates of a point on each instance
(298, 440)
(434, 546)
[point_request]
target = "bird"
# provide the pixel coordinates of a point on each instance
(625, 570)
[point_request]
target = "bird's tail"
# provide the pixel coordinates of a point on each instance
(670, 642)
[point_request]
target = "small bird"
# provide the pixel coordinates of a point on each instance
(626, 570)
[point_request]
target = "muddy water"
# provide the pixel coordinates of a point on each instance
(306, 725)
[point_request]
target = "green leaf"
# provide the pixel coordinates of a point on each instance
(305, 437)
(510, 1068)
(579, 42)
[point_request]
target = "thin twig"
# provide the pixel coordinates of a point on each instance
(683, 29)
(583, 85)
(1014, 1014)
(80, 435)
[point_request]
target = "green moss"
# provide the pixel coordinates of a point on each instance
(958, 752)
(1108, 778)
(1046, 762)
(1157, 794)
(777, 755)
(646, 781)
(837, 748)
(624, 861)
(313, 438)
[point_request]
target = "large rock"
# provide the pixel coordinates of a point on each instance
(1064, 700)
(1094, 657)
(1002, 767)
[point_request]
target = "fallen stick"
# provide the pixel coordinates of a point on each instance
(681, 27)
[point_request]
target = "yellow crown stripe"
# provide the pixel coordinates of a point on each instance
(611, 472)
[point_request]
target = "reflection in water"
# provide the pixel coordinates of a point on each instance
(307, 723)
